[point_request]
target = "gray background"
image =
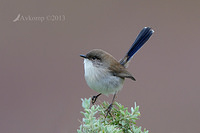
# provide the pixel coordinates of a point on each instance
(42, 76)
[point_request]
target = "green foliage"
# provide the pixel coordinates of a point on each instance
(118, 121)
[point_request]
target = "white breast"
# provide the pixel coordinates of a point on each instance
(100, 79)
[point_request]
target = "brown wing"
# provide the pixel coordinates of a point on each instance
(118, 70)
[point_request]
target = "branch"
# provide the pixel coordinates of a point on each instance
(118, 121)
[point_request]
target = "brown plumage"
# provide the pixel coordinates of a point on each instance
(110, 62)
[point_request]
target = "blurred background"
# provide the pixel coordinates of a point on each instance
(42, 76)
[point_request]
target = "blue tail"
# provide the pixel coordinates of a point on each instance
(144, 35)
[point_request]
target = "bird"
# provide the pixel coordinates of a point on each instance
(106, 75)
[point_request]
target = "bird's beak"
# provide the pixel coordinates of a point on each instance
(83, 56)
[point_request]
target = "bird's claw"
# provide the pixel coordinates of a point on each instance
(94, 98)
(109, 109)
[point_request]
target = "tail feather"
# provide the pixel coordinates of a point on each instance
(141, 39)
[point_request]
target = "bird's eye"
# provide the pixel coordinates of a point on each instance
(95, 58)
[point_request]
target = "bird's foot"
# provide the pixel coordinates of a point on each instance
(109, 109)
(94, 98)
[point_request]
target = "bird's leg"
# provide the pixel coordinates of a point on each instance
(94, 98)
(110, 106)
